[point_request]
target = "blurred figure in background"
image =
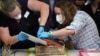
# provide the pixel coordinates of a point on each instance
(80, 3)
(93, 9)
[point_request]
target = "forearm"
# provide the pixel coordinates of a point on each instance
(63, 32)
(42, 7)
(13, 39)
(6, 37)
(9, 39)
(44, 13)
(4, 33)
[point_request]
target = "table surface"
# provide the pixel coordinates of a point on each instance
(23, 52)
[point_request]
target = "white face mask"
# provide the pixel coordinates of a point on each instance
(60, 19)
(18, 16)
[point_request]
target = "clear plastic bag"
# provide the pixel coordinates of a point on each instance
(5, 50)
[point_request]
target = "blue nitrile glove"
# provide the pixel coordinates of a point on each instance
(40, 30)
(47, 35)
(44, 35)
(21, 36)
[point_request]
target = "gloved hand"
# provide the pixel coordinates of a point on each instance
(40, 30)
(44, 35)
(21, 36)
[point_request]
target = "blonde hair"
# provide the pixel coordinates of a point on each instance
(8, 5)
(68, 10)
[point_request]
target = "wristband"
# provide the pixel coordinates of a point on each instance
(50, 34)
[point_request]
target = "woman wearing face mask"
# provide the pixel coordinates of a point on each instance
(17, 16)
(78, 25)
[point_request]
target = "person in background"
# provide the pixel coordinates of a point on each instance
(76, 24)
(80, 3)
(93, 9)
(17, 16)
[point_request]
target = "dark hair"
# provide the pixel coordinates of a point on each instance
(69, 11)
